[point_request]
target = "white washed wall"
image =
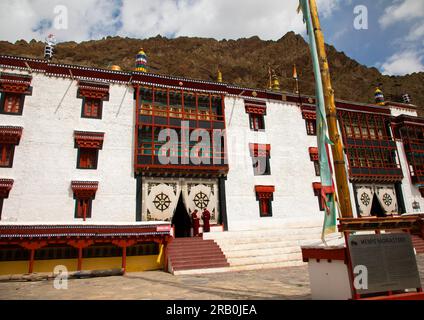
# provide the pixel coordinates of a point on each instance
(292, 172)
(45, 160)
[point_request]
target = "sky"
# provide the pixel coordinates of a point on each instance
(386, 34)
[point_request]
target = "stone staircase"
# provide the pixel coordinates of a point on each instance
(188, 254)
(262, 249)
(418, 244)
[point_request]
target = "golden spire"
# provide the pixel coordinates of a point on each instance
(219, 77)
(275, 82)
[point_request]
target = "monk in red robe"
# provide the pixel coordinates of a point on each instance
(206, 217)
(196, 223)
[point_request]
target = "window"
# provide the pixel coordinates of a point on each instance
(83, 209)
(264, 195)
(9, 138)
(5, 187)
(88, 144)
(12, 103)
(92, 108)
(317, 191)
(6, 155)
(84, 194)
(311, 127)
(317, 168)
(256, 111)
(256, 122)
(87, 158)
(92, 94)
(261, 154)
(313, 153)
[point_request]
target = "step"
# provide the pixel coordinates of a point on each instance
(213, 258)
(293, 237)
(200, 266)
(263, 233)
(188, 243)
(241, 268)
(262, 245)
(264, 259)
(194, 254)
(261, 252)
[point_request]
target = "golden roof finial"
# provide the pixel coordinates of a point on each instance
(275, 82)
(219, 77)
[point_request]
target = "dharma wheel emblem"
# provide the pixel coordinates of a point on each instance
(387, 199)
(365, 199)
(162, 202)
(201, 200)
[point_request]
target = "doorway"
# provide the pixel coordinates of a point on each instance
(181, 221)
(376, 208)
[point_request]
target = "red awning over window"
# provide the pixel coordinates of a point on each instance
(265, 192)
(260, 150)
(10, 135)
(5, 187)
(313, 152)
(309, 113)
(255, 107)
(15, 83)
(93, 90)
(84, 189)
(92, 140)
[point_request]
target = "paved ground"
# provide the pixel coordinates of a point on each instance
(278, 284)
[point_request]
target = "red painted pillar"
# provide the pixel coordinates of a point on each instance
(31, 261)
(124, 258)
(79, 268)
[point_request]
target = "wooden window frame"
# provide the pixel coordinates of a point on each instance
(258, 125)
(265, 197)
(311, 127)
(21, 102)
(81, 152)
(84, 194)
(84, 114)
(5, 186)
(78, 208)
(4, 149)
(261, 154)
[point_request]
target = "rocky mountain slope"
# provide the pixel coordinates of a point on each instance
(243, 62)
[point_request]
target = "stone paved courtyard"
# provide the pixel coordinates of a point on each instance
(278, 284)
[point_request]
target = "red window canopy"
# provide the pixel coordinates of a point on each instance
(265, 192)
(5, 187)
(309, 113)
(93, 90)
(84, 189)
(92, 140)
(10, 135)
(319, 190)
(255, 107)
(259, 150)
(313, 153)
(15, 83)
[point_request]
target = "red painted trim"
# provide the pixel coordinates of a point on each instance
(10, 135)
(5, 187)
(258, 150)
(15, 83)
(339, 254)
(264, 189)
(89, 139)
(84, 189)
(313, 153)
(400, 297)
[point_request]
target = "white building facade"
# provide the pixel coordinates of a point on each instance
(81, 148)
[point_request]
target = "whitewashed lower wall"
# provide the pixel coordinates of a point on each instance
(45, 160)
